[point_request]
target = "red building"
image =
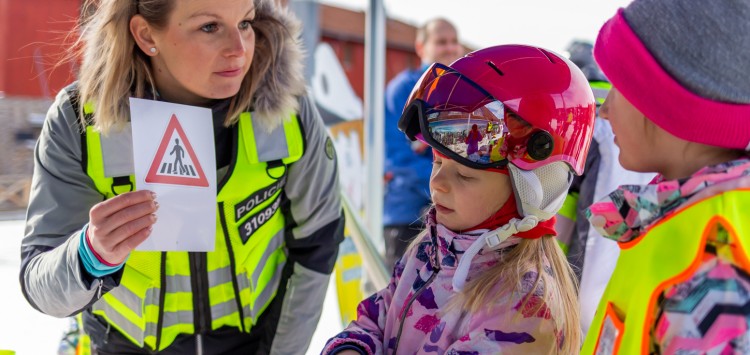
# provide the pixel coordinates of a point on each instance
(344, 30)
(32, 43)
(34, 40)
(32, 36)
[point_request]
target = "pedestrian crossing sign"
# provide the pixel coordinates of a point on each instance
(175, 161)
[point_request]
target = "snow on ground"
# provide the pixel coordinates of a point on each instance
(29, 332)
(22, 328)
(330, 321)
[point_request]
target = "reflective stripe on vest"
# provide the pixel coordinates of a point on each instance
(566, 221)
(669, 253)
(601, 90)
(246, 265)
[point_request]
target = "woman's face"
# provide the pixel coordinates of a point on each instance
(634, 133)
(205, 50)
(646, 147)
(465, 197)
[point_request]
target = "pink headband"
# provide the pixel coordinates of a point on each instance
(638, 76)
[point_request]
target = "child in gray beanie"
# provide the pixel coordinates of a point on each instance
(680, 107)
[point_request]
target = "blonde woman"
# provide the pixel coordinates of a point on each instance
(261, 290)
(487, 276)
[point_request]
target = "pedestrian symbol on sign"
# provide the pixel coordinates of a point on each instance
(180, 166)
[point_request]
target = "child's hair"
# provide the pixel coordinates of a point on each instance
(114, 68)
(559, 285)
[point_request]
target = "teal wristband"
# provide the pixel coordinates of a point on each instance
(90, 262)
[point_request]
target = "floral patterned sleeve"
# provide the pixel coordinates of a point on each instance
(366, 333)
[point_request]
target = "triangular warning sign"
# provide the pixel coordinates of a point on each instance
(175, 162)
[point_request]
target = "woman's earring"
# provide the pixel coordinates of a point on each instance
(153, 50)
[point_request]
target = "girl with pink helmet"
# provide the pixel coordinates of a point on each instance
(487, 276)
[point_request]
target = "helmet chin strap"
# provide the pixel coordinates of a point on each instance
(492, 239)
(540, 193)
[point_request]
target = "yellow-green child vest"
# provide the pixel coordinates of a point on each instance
(154, 302)
(668, 254)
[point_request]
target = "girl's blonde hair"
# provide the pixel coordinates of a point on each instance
(559, 286)
(114, 68)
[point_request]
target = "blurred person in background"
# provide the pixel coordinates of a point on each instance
(408, 164)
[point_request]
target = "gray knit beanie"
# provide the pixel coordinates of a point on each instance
(703, 44)
(685, 64)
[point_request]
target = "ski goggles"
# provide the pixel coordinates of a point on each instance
(462, 121)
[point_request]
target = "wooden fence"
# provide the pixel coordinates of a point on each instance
(14, 191)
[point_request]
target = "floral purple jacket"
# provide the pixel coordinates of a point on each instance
(410, 315)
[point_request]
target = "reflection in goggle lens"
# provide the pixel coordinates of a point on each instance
(477, 136)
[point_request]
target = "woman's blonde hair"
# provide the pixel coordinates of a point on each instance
(114, 68)
(559, 286)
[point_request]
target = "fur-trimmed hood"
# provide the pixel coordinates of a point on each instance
(279, 90)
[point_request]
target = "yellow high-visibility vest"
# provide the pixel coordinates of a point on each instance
(154, 302)
(566, 221)
(669, 253)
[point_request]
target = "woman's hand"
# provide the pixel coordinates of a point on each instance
(120, 224)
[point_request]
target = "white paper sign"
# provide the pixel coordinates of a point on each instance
(174, 156)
